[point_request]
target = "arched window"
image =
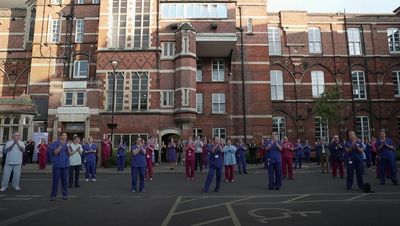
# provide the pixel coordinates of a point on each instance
(119, 91)
(140, 91)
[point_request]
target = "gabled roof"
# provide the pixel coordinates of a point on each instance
(19, 105)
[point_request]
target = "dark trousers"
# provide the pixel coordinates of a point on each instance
(387, 165)
(373, 158)
(299, 160)
(120, 163)
(135, 171)
(90, 168)
(229, 172)
(368, 158)
(307, 156)
(198, 163)
(189, 168)
(74, 172)
(274, 175)
(241, 162)
(335, 165)
(212, 169)
(351, 167)
(156, 160)
(252, 155)
(60, 173)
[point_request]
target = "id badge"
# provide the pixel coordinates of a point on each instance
(189, 154)
(217, 156)
(148, 156)
(350, 162)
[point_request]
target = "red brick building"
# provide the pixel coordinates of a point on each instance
(179, 69)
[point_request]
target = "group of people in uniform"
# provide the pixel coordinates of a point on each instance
(67, 158)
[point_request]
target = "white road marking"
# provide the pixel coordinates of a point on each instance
(1, 209)
(171, 212)
(356, 197)
(233, 215)
(101, 196)
(191, 200)
(212, 221)
(16, 199)
(21, 217)
(161, 197)
(296, 198)
(28, 196)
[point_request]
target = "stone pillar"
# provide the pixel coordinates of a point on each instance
(87, 127)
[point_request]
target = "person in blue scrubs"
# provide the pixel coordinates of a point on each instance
(215, 165)
(241, 156)
(307, 151)
(138, 165)
(90, 150)
(121, 155)
(299, 150)
(354, 160)
(274, 162)
(60, 159)
(387, 156)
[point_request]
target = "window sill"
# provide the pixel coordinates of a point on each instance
(217, 113)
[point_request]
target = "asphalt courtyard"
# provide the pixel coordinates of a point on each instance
(311, 198)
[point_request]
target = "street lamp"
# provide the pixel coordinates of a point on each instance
(240, 29)
(112, 125)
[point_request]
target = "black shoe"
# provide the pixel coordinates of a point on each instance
(204, 191)
(70, 186)
(277, 188)
(65, 198)
(395, 183)
(77, 186)
(216, 190)
(246, 173)
(53, 199)
(270, 188)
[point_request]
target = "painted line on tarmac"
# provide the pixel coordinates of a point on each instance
(317, 201)
(233, 215)
(171, 211)
(101, 196)
(356, 197)
(16, 199)
(24, 216)
(296, 198)
(212, 206)
(161, 197)
(1, 209)
(28, 196)
(212, 221)
(195, 199)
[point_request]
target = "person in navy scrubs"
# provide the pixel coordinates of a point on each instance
(273, 150)
(337, 155)
(60, 159)
(241, 156)
(354, 160)
(138, 165)
(90, 150)
(387, 158)
(307, 151)
(299, 151)
(215, 165)
(121, 155)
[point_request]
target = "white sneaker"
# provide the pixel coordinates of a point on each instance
(3, 189)
(86, 180)
(17, 188)
(94, 179)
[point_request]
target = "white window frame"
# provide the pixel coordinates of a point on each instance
(274, 41)
(167, 98)
(79, 30)
(219, 132)
(361, 130)
(194, 11)
(55, 33)
(393, 40)
(74, 98)
(142, 75)
(355, 44)
(250, 25)
(117, 92)
(141, 37)
(218, 75)
(77, 67)
(118, 40)
(314, 40)
(279, 125)
(79, 2)
(185, 97)
(168, 50)
(199, 103)
(95, 2)
(277, 85)
(396, 83)
(218, 103)
(185, 44)
(199, 71)
(317, 83)
(197, 132)
(359, 84)
(321, 126)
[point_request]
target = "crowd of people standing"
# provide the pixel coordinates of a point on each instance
(68, 157)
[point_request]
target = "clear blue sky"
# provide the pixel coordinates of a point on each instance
(333, 6)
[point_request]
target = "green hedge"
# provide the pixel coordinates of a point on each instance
(112, 161)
